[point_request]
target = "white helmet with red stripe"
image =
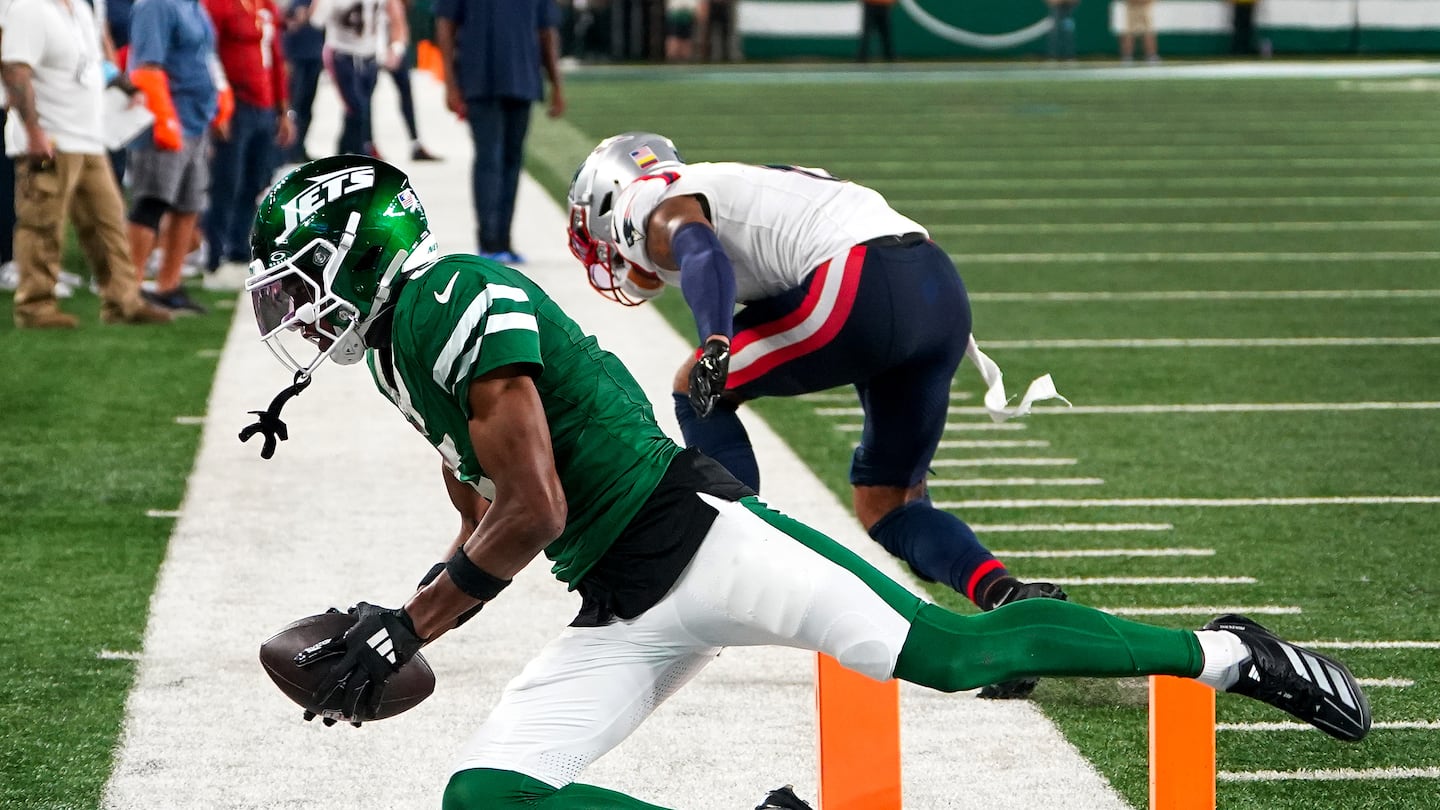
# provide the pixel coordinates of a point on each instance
(612, 165)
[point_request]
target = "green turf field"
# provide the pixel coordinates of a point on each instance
(1272, 246)
(1268, 245)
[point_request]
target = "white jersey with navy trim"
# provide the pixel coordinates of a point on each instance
(352, 27)
(776, 224)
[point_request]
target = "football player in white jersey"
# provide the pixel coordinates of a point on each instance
(837, 289)
(360, 37)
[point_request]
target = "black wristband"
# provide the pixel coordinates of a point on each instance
(472, 579)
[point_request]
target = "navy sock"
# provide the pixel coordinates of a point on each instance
(720, 436)
(939, 547)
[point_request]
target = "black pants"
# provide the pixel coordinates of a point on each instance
(7, 202)
(1243, 41)
(876, 21)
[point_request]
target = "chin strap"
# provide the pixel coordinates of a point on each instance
(269, 422)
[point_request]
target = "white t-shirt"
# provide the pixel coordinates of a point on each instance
(776, 224)
(62, 48)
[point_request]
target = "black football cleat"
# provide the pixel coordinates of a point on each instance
(783, 799)
(1021, 688)
(1312, 687)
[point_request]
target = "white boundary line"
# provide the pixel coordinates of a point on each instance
(963, 444)
(1149, 580)
(1329, 775)
(1204, 181)
(1080, 553)
(1014, 482)
(1393, 725)
(1216, 256)
(1373, 645)
(1030, 229)
(1389, 683)
(1087, 503)
(1204, 610)
(1210, 343)
(1004, 462)
(1073, 527)
(1211, 407)
(1003, 203)
(855, 427)
(1200, 295)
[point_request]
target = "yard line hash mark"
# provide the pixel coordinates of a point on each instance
(1351, 500)
(1073, 527)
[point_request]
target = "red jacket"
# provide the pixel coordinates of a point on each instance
(247, 37)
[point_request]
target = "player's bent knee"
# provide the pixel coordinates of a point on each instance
(491, 789)
(873, 659)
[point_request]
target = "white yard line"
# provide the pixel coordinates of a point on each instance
(1199, 295)
(1205, 610)
(162, 513)
(980, 444)
(1395, 725)
(1330, 775)
(856, 427)
(1212, 407)
(1210, 343)
(1090, 503)
(1373, 645)
(1390, 683)
(1148, 580)
(189, 420)
(1245, 256)
(1073, 527)
(1226, 202)
(1204, 181)
(1004, 462)
(937, 483)
(1082, 553)
(1032, 228)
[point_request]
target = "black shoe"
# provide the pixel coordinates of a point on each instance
(422, 154)
(1312, 687)
(783, 799)
(1021, 687)
(178, 301)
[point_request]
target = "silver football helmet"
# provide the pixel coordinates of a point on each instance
(612, 165)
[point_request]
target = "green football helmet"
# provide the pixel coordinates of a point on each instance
(330, 239)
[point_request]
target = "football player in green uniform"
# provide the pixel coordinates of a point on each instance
(551, 447)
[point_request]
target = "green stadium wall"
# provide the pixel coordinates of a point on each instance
(941, 29)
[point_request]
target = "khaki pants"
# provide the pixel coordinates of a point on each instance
(83, 187)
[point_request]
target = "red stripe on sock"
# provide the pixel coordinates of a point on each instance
(980, 572)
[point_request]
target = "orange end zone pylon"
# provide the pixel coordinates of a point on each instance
(1182, 744)
(859, 724)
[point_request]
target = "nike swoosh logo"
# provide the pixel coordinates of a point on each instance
(444, 297)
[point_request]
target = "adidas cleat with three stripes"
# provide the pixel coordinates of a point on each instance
(1312, 687)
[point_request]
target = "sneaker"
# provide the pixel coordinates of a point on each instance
(506, 257)
(9, 276)
(52, 319)
(148, 313)
(1312, 687)
(420, 153)
(178, 301)
(783, 799)
(63, 290)
(1021, 687)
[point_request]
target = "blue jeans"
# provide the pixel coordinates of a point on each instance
(240, 169)
(498, 127)
(355, 80)
(1062, 31)
(304, 81)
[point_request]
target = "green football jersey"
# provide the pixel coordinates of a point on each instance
(464, 316)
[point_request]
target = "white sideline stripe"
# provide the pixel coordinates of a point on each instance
(1393, 725)
(1004, 462)
(1209, 343)
(1014, 482)
(1204, 610)
(1060, 554)
(1214, 407)
(1357, 500)
(1073, 527)
(189, 420)
(118, 655)
(1329, 775)
(1202, 295)
(1217, 256)
(1148, 580)
(959, 444)
(1202, 181)
(856, 427)
(1179, 227)
(1373, 645)
(849, 396)
(163, 513)
(1006, 203)
(1395, 683)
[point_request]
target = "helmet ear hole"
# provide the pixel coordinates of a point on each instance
(605, 203)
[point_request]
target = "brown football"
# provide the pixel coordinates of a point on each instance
(403, 691)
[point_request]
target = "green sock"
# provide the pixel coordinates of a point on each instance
(1038, 637)
(489, 789)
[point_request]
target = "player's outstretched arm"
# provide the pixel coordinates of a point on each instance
(511, 438)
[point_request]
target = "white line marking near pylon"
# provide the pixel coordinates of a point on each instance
(162, 513)
(1030, 228)
(1373, 645)
(1210, 343)
(1013, 482)
(1329, 775)
(117, 655)
(1199, 295)
(849, 396)
(1004, 462)
(1204, 610)
(1397, 725)
(958, 444)
(1357, 500)
(1148, 580)
(1228, 201)
(1074, 527)
(1061, 554)
(1210, 407)
(189, 420)
(854, 427)
(1397, 683)
(1217, 256)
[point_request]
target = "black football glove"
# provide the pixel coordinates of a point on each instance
(707, 376)
(373, 649)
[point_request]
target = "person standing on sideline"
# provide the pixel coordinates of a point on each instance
(1242, 41)
(1062, 29)
(875, 20)
(680, 21)
(360, 36)
(247, 37)
(548, 445)
(52, 60)
(173, 62)
(304, 47)
(494, 54)
(1139, 22)
(836, 288)
(400, 74)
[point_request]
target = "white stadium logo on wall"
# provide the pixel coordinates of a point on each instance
(961, 36)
